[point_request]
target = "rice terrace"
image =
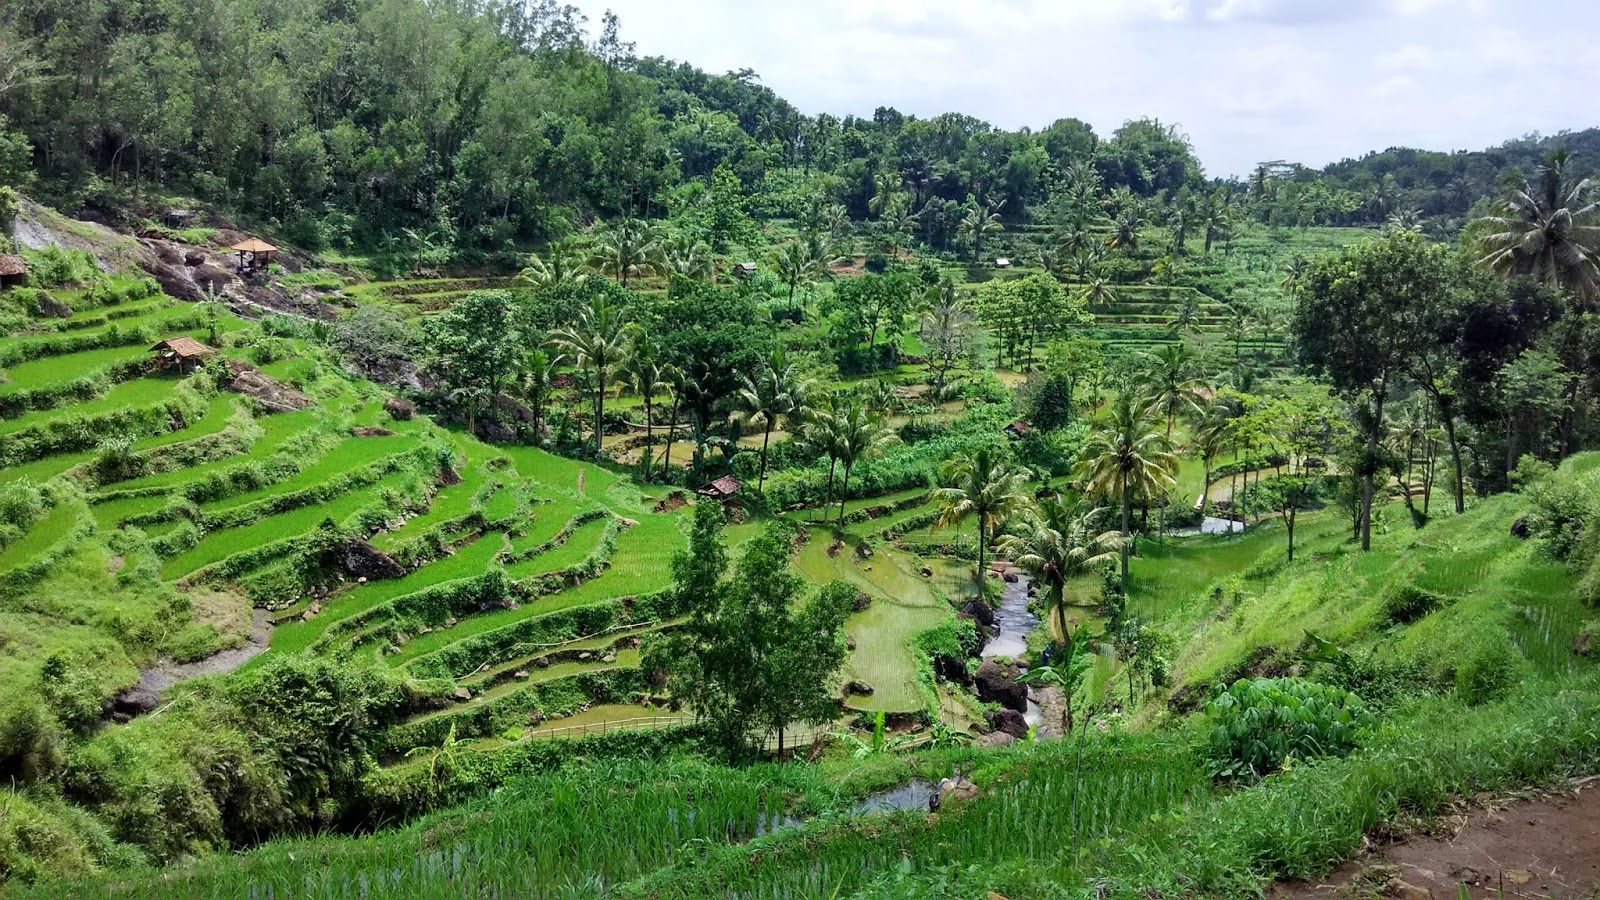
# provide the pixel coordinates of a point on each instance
(448, 452)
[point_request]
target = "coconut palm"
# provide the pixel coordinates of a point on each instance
(627, 249)
(597, 342)
(1294, 271)
(678, 385)
(819, 434)
(558, 266)
(855, 434)
(1169, 379)
(980, 222)
(689, 258)
(1099, 292)
(1549, 230)
(644, 373)
(775, 397)
(1057, 542)
(1127, 456)
(1186, 318)
(798, 264)
(1074, 242)
(983, 485)
(1125, 229)
(538, 377)
(1212, 434)
(1216, 216)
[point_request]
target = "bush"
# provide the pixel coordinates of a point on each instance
(1407, 603)
(1264, 723)
(1490, 671)
(1561, 507)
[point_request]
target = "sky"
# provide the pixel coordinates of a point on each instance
(1310, 81)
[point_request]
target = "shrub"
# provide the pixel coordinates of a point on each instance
(1261, 724)
(1407, 603)
(1489, 672)
(1560, 508)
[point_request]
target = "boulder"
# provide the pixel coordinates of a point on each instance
(463, 693)
(925, 572)
(535, 717)
(998, 684)
(399, 408)
(952, 669)
(980, 612)
(862, 601)
(175, 281)
(1008, 721)
(858, 687)
(951, 792)
(997, 739)
(194, 258)
(1582, 644)
(272, 393)
(542, 662)
(520, 675)
(214, 277)
(51, 308)
(1519, 528)
(849, 643)
(371, 431)
(368, 562)
(493, 432)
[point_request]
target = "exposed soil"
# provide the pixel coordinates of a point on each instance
(146, 695)
(1547, 848)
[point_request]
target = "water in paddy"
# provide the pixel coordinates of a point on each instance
(1013, 622)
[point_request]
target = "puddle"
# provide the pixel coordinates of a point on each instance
(913, 794)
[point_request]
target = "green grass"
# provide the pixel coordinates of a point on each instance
(218, 411)
(51, 370)
(549, 517)
(278, 429)
(112, 512)
(347, 456)
(42, 470)
(577, 547)
(472, 560)
(220, 545)
(54, 526)
(558, 474)
(139, 392)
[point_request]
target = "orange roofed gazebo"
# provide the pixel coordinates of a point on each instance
(182, 351)
(254, 255)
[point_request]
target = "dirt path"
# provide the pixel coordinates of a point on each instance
(1547, 848)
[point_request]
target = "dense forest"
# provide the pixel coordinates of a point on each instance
(484, 126)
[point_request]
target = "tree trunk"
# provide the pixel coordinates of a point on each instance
(844, 493)
(649, 436)
(980, 558)
(827, 499)
(1455, 461)
(672, 432)
(761, 480)
(1127, 538)
(1205, 487)
(1370, 487)
(1289, 521)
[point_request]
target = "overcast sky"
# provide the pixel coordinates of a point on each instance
(1310, 81)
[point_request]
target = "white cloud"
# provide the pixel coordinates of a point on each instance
(1307, 80)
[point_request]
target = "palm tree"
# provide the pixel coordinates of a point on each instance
(1099, 292)
(1086, 262)
(1216, 216)
(1549, 230)
(1125, 229)
(1213, 433)
(1125, 456)
(598, 341)
(558, 266)
(538, 376)
(982, 485)
(980, 222)
(821, 436)
(775, 397)
(1294, 272)
(884, 185)
(1169, 377)
(1075, 242)
(676, 383)
(797, 264)
(1186, 319)
(1404, 220)
(856, 435)
(689, 258)
(1057, 543)
(645, 374)
(625, 250)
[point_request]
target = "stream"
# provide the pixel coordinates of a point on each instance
(1013, 622)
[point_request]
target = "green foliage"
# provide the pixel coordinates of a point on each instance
(1560, 510)
(1490, 670)
(1260, 725)
(1406, 603)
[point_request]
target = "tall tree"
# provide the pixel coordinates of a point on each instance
(1169, 378)
(1057, 542)
(624, 250)
(1358, 321)
(856, 434)
(755, 654)
(949, 332)
(475, 346)
(776, 397)
(985, 486)
(644, 373)
(538, 377)
(1127, 456)
(598, 342)
(979, 223)
(1549, 230)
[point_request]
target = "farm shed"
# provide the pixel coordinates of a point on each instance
(184, 352)
(13, 271)
(722, 490)
(254, 256)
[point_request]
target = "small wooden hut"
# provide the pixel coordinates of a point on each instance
(1016, 429)
(722, 490)
(745, 270)
(13, 271)
(183, 352)
(254, 256)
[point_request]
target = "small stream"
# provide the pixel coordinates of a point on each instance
(1013, 622)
